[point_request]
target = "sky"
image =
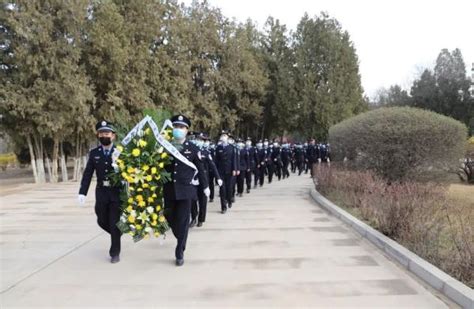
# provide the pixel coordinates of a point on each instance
(394, 40)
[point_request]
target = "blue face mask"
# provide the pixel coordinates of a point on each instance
(179, 134)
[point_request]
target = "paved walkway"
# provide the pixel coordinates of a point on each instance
(276, 247)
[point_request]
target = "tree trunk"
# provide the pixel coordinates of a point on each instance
(48, 167)
(54, 164)
(38, 147)
(64, 174)
(32, 158)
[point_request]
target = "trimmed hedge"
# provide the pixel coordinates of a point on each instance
(399, 142)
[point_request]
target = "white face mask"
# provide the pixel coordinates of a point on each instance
(231, 141)
(248, 144)
(265, 144)
(275, 144)
(224, 139)
(206, 144)
(259, 145)
(241, 145)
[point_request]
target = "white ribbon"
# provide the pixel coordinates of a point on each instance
(162, 141)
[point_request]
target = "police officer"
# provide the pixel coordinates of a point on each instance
(179, 192)
(285, 160)
(107, 195)
(237, 166)
(276, 159)
(261, 162)
(250, 152)
(199, 207)
(268, 161)
(227, 167)
(211, 147)
(299, 158)
(244, 166)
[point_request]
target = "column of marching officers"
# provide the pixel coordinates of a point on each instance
(232, 165)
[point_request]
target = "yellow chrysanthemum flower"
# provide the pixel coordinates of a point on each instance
(130, 200)
(154, 216)
(153, 170)
(131, 219)
(139, 190)
(145, 168)
(130, 170)
(147, 131)
(161, 165)
(142, 204)
(145, 185)
(142, 143)
(157, 234)
(154, 194)
(158, 177)
(122, 166)
(136, 152)
(120, 148)
(129, 208)
(149, 178)
(138, 227)
(150, 200)
(164, 155)
(158, 208)
(154, 223)
(139, 198)
(124, 175)
(130, 187)
(161, 219)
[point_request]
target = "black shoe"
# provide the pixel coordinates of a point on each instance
(240, 194)
(211, 200)
(232, 200)
(115, 259)
(223, 211)
(199, 224)
(255, 186)
(193, 223)
(179, 262)
(248, 191)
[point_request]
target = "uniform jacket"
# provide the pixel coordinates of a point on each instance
(101, 164)
(180, 187)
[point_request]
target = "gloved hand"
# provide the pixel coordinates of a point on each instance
(81, 198)
(220, 182)
(319, 160)
(238, 173)
(234, 173)
(207, 192)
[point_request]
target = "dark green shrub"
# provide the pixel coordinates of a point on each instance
(399, 142)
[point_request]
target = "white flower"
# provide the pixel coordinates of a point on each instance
(132, 226)
(140, 133)
(148, 229)
(123, 219)
(150, 209)
(133, 213)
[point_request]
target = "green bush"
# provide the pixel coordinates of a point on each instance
(399, 142)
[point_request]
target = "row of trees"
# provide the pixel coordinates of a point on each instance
(444, 90)
(66, 64)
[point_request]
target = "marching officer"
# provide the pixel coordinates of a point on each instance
(268, 160)
(244, 166)
(227, 167)
(107, 195)
(179, 192)
(199, 207)
(285, 160)
(250, 152)
(299, 158)
(262, 158)
(276, 159)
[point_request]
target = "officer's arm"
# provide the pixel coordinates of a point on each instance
(214, 168)
(87, 176)
(203, 181)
